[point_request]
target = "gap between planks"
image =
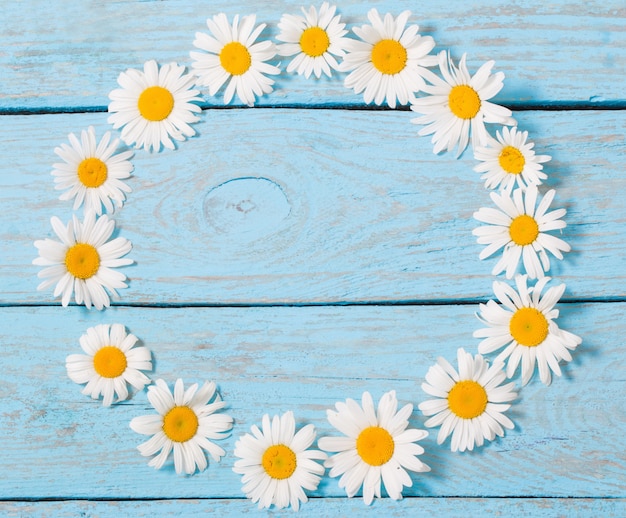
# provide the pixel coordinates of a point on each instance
(614, 105)
(416, 303)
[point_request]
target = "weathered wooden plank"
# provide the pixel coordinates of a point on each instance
(442, 507)
(292, 206)
(68, 54)
(58, 443)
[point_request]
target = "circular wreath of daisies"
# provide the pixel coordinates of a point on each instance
(390, 63)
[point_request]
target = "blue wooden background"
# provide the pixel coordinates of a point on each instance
(303, 254)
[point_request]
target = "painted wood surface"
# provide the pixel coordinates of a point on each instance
(68, 54)
(289, 206)
(326, 507)
(278, 358)
(300, 255)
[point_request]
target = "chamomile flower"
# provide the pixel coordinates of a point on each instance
(154, 107)
(458, 105)
(510, 161)
(316, 39)
(277, 464)
(521, 229)
(377, 446)
(231, 55)
(388, 63)
(111, 362)
(186, 423)
(82, 263)
(523, 323)
(470, 403)
(92, 174)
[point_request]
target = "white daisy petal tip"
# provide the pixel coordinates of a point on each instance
(377, 446)
(456, 108)
(523, 327)
(84, 263)
(277, 462)
(93, 173)
(388, 62)
(520, 226)
(155, 107)
(469, 407)
(509, 161)
(186, 424)
(229, 56)
(111, 363)
(316, 40)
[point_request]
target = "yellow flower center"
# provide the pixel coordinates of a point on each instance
(389, 57)
(155, 103)
(82, 261)
(109, 362)
(529, 327)
(279, 461)
(92, 172)
(467, 399)
(235, 58)
(523, 230)
(464, 101)
(375, 446)
(314, 41)
(180, 424)
(512, 160)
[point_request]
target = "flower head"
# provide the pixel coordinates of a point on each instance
(277, 463)
(111, 362)
(186, 423)
(387, 64)
(458, 105)
(92, 174)
(155, 106)
(316, 40)
(377, 446)
(510, 161)
(520, 228)
(470, 403)
(231, 55)
(523, 323)
(82, 263)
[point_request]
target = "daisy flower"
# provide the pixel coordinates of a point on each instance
(185, 422)
(315, 38)
(470, 403)
(111, 362)
(92, 174)
(82, 263)
(231, 54)
(154, 106)
(388, 64)
(520, 228)
(277, 464)
(510, 160)
(523, 323)
(377, 445)
(458, 105)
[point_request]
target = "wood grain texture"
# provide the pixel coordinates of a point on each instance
(292, 206)
(68, 54)
(58, 443)
(328, 507)
(263, 247)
